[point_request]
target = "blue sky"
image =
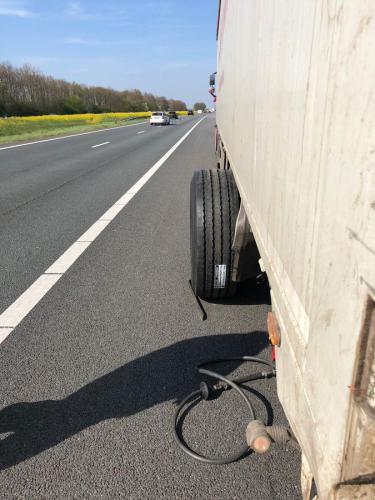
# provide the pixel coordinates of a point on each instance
(166, 47)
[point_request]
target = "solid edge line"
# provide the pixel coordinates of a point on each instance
(72, 135)
(4, 332)
(23, 305)
(28, 300)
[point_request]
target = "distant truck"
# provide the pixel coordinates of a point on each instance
(295, 192)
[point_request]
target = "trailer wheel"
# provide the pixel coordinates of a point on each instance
(214, 206)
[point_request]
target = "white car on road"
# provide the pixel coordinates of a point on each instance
(159, 118)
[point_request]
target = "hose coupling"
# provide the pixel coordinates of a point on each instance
(221, 386)
(259, 436)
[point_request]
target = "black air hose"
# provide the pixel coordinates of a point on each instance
(204, 393)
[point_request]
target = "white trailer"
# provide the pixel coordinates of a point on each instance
(295, 89)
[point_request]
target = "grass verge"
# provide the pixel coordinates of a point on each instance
(19, 132)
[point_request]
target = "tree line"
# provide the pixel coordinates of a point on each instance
(25, 91)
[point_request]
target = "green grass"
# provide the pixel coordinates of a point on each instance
(16, 132)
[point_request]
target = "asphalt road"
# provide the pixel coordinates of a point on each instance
(90, 378)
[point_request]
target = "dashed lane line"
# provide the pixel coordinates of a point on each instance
(21, 307)
(101, 144)
(72, 135)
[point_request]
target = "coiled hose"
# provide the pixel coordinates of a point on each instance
(224, 384)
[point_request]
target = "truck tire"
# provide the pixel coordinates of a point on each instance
(214, 206)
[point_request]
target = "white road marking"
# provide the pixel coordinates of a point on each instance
(93, 231)
(101, 144)
(4, 332)
(141, 132)
(21, 307)
(28, 300)
(72, 135)
(112, 212)
(62, 264)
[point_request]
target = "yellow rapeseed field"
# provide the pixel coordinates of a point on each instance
(86, 117)
(32, 126)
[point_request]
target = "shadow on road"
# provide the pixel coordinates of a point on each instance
(163, 375)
